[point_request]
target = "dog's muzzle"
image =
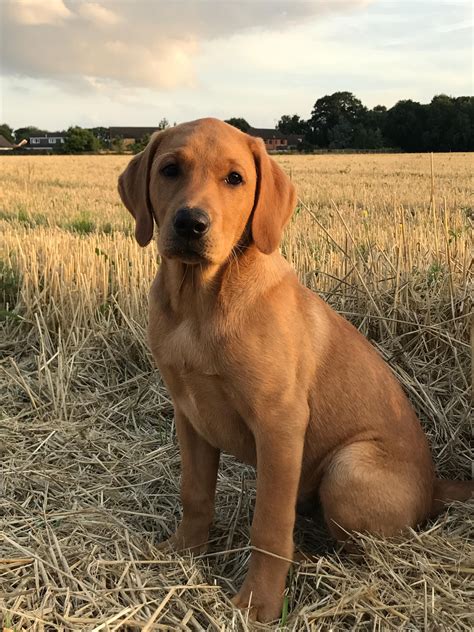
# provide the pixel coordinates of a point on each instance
(191, 223)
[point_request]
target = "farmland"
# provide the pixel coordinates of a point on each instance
(90, 480)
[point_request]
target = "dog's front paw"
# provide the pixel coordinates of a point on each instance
(263, 604)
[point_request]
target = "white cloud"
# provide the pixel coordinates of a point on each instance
(98, 14)
(142, 60)
(136, 42)
(38, 12)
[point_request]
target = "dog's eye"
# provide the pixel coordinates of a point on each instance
(234, 178)
(170, 171)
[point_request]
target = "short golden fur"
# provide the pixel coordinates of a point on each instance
(260, 367)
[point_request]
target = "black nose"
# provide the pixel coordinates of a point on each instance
(191, 223)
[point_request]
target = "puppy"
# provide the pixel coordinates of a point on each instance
(260, 367)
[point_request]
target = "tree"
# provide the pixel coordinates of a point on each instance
(461, 129)
(102, 134)
(341, 109)
(140, 145)
(164, 124)
(405, 125)
(340, 135)
(375, 118)
(25, 132)
(367, 137)
(292, 124)
(118, 145)
(7, 132)
(369, 134)
(239, 123)
(449, 124)
(439, 114)
(79, 140)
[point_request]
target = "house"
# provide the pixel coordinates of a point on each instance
(131, 135)
(5, 145)
(276, 141)
(46, 140)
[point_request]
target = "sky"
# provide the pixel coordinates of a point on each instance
(133, 62)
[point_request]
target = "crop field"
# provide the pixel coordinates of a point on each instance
(89, 479)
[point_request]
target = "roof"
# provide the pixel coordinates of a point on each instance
(47, 135)
(5, 144)
(265, 133)
(131, 132)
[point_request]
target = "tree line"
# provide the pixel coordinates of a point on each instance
(79, 140)
(342, 121)
(338, 121)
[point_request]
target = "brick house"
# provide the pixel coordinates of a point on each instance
(276, 141)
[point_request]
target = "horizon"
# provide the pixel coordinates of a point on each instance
(108, 63)
(171, 122)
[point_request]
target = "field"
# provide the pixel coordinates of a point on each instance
(90, 466)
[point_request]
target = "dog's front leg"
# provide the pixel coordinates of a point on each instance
(199, 464)
(279, 443)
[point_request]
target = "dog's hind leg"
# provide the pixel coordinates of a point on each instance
(362, 492)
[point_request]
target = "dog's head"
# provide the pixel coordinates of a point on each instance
(203, 183)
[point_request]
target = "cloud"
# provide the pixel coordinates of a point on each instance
(98, 14)
(139, 43)
(221, 67)
(36, 12)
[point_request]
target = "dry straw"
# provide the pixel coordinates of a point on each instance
(90, 467)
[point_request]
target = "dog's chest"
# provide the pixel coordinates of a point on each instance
(194, 369)
(183, 348)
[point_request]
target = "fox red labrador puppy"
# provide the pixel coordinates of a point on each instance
(260, 367)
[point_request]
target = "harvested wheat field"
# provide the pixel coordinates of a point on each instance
(90, 466)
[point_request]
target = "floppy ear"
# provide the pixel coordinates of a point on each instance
(275, 199)
(134, 189)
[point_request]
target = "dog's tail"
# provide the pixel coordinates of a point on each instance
(446, 492)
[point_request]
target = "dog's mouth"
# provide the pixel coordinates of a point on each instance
(186, 252)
